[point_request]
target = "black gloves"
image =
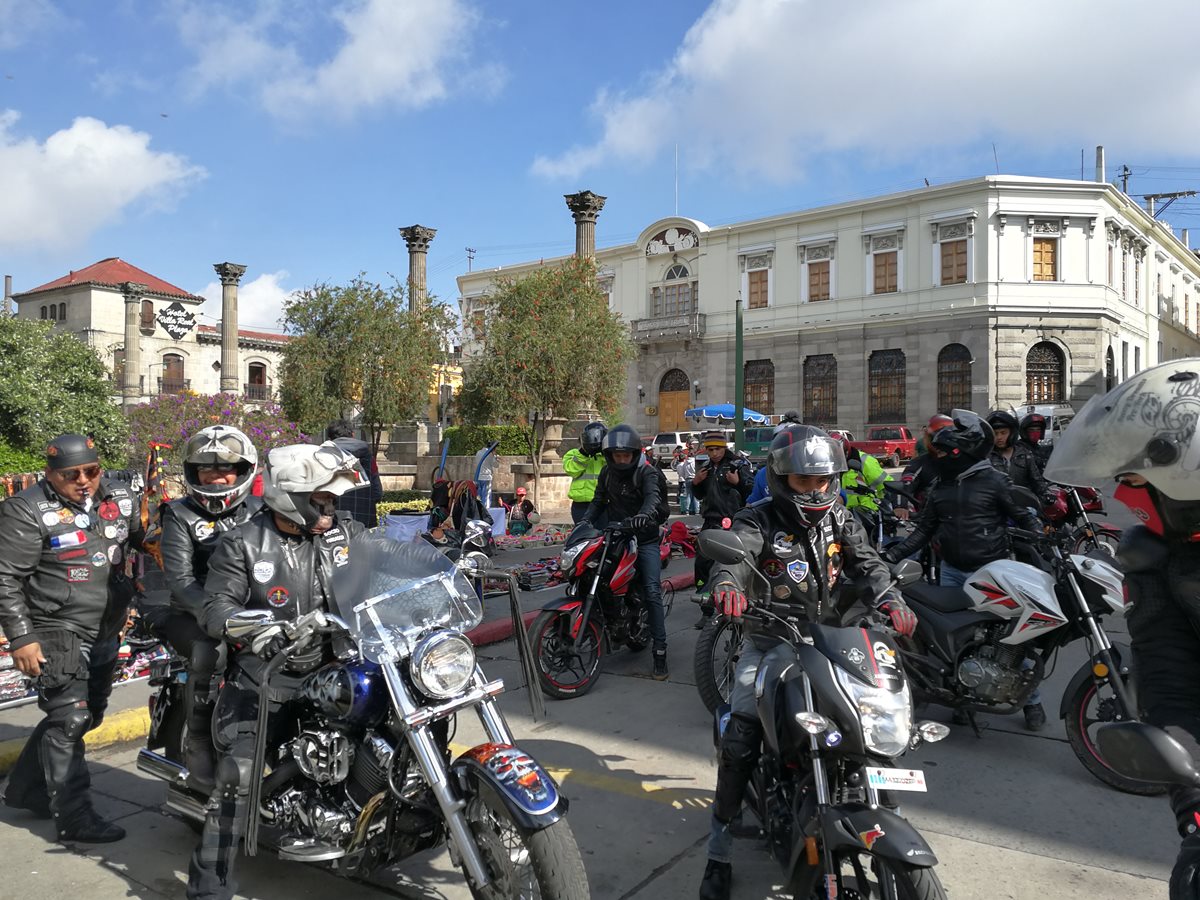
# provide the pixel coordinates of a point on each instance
(640, 522)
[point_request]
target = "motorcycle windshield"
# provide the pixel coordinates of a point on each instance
(392, 594)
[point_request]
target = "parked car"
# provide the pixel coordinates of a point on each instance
(890, 444)
(665, 442)
(758, 441)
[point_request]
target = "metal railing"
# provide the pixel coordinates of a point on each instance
(174, 385)
(257, 391)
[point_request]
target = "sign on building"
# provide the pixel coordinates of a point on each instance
(176, 321)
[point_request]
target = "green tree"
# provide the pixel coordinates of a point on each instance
(551, 346)
(357, 348)
(54, 383)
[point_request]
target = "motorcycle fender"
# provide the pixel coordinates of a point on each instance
(883, 832)
(162, 705)
(571, 603)
(1084, 675)
(529, 794)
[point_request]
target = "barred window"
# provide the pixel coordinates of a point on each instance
(820, 389)
(759, 383)
(1045, 369)
(954, 377)
(674, 380)
(886, 389)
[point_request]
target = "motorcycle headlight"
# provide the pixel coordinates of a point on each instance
(442, 664)
(566, 559)
(886, 718)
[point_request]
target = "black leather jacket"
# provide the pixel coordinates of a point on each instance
(803, 565)
(1022, 468)
(257, 566)
(189, 537)
(61, 567)
(718, 498)
(620, 495)
(360, 502)
(969, 517)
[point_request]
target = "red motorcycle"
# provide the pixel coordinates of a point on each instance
(1069, 511)
(602, 611)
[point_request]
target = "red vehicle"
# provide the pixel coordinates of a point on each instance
(890, 444)
(603, 610)
(1069, 510)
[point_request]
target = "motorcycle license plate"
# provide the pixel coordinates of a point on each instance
(896, 779)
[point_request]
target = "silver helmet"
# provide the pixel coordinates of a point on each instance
(296, 472)
(219, 445)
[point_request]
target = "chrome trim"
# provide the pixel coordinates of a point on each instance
(427, 644)
(424, 715)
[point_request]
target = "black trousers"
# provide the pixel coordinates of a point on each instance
(73, 692)
(206, 659)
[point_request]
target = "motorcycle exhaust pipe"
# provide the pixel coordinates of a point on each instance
(188, 805)
(159, 766)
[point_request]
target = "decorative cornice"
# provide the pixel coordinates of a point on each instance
(585, 206)
(418, 237)
(229, 273)
(133, 291)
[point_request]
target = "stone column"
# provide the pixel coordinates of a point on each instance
(585, 209)
(418, 238)
(131, 382)
(230, 274)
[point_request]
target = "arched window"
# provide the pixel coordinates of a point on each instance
(759, 392)
(1110, 369)
(886, 388)
(256, 385)
(954, 377)
(147, 323)
(62, 312)
(53, 312)
(676, 272)
(43, 315)
(1045, 370)
(674, 380)
(820, 389)
(678, 294)
(173, 381)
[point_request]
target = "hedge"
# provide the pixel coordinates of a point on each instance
(407, 506)
(14, 461)
(404, 496)
(467, 440)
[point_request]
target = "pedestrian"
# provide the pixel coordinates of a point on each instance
(360, 503)
(64, 598)
(583, 464)
(722, 484)
(281, 560)
(685, 468)
(522, 514)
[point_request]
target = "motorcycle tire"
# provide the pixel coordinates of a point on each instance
(1078, 722)
(1106, 541)
(550, 635)
(911, 882)
(714, 660)
(551, 867)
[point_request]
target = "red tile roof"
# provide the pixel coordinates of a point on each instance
(253, 335)
(113, 272)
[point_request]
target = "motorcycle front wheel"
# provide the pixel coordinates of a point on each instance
(865, 876)
(523, 865)
(715, 659)
(563, 670)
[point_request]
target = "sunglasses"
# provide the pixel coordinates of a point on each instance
(219, 468)
(88, 473)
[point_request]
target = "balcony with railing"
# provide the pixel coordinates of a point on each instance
(260, 392)
(667, 328)
(174, 385)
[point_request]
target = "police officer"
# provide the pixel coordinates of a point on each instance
(281, 560)
(64, 598)
(219, 466)
(1143, 433)
(801, 539)
(722, 485)
(583, 464)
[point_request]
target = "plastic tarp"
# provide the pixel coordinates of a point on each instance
(720, 411)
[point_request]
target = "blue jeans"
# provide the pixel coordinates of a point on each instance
(742, 702)
(484, 487)
(649, 568)
(688, 504)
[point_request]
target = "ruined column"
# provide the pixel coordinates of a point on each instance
(585, 209)
(131, 381)
(417, 237)
(230, 274)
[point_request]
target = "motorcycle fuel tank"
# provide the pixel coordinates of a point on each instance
(350, 692)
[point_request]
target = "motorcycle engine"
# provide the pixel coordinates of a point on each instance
(310, 813)
(324, 756)
(992, 671)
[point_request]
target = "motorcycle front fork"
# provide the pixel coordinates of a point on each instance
(433, 768)
(1104, 650)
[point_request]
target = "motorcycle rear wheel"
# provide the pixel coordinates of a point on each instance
(562, 672)
(865, 876)
(1085, 709)
(523, 865)
(714, 660)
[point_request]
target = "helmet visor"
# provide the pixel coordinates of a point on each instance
(813, 455)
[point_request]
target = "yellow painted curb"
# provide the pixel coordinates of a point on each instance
(119, 728)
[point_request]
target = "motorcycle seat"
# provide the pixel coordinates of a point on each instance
(943, 599)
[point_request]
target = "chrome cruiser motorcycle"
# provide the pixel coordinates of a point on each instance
(365, 776)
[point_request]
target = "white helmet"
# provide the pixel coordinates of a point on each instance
(213, 446)
(296, 472)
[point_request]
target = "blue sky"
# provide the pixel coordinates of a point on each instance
(297, 136)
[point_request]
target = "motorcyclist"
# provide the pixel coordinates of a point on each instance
(282, 560)
(628, 490)
(722, 485)
(1143, 433)
(1015, 458)
(918, 476)
(801, 540)
(863, 483)
(1032, 433)
(219, 466)
(583, 464)
(967, 510)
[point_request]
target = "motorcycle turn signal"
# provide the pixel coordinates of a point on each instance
(932, 732)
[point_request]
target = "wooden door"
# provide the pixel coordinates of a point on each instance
(671, 407)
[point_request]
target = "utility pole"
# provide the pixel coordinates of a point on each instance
(739, 407)
(1155, 210)
(470, 257)
(1125, 173)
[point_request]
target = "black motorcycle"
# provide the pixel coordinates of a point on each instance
(364, 777)
(836, 715)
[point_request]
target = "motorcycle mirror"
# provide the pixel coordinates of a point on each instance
(247, 622)
(475, 532)
(855, 464)
(722, 546)
(1141, 751)
(907, 571)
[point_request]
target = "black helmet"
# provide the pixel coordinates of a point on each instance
(623, 437)
(593, 434)
(970, 436)
(804, 450)
(69, 450)
(1001, 419)
(1034, 422)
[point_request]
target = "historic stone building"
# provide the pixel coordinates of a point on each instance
(108, 301)
(995, 291)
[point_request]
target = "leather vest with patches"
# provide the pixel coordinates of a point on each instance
(205, 529)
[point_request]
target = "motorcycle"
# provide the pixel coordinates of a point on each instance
(603, 609)
(365, 778)
(1068, 512)
(836, 713)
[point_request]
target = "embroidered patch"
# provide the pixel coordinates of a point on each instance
(70, 539)
(66, 517)
(110, 532)
(797, 570)
(83, 520)
(204, 530)
(76, 574)
(125, 505)
(783, 543)
(44, 505)
(50, 519)
(332, 535)
(109, 511)
(114, 554)
(772, 568)
(77, 552)
(122, 530)
(277, 596)
(264, 572)
(341, 556)
(99, 559)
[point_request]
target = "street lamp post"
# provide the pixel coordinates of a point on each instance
(739, 408)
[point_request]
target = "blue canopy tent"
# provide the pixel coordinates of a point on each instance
(724, 411)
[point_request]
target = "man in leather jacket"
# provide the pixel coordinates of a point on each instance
(219, 466)
(64, 597)
(1143, 433)
(282, 561)
(801, 540)
(361, 502)
(1014, 457)
(628, 490)
(721, 485)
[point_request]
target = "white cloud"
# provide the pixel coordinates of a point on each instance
(763, 87)
(260, 300)
(383, 54)
(58, 192)
(20, 19)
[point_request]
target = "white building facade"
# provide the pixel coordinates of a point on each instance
(992, 292)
